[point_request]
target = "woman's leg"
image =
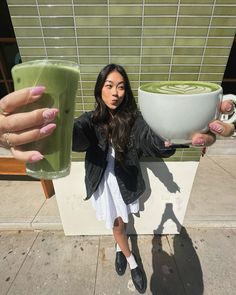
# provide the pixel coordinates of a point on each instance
(119, 232)
(121, 236)
(122, 240)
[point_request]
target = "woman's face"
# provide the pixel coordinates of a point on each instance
(113, 90)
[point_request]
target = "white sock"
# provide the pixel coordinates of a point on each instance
(118, 249)
(132, 262)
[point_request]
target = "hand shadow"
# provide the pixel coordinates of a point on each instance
(163, 174)
(176, 271)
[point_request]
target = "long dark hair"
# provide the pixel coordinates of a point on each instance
(115, 128)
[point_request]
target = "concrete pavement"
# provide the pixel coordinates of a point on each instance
(199, 261)
(37, 258)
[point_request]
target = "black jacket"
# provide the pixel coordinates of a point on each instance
(143, 142)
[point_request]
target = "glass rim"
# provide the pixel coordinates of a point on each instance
(52, 61)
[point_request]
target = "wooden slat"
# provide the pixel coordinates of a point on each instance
(11, 166)
(48, 188)
(7, 40)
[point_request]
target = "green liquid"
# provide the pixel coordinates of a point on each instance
(61, 82)
(180, 87)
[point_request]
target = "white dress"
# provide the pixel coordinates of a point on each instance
(107, 199)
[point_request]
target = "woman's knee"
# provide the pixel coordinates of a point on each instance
(119, 226)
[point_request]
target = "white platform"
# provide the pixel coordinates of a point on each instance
(162, 207)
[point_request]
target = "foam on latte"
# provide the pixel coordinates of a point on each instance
(179, 87)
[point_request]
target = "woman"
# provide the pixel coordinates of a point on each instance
(114, 137)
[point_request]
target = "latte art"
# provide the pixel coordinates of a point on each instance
(172, 87)
(182, 89)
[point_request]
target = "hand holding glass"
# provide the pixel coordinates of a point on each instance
(60, 79)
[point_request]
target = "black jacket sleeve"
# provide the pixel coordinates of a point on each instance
(147, 142)
(83, 133)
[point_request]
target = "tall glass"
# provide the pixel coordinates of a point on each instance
(61, 81)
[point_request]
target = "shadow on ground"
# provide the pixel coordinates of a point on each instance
(175, 263)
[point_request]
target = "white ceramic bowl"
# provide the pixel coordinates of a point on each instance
(176, 117)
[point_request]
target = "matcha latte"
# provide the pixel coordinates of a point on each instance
(175, 110)
(179, 87)
(61, 81)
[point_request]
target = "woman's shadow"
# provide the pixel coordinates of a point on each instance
(176, 266)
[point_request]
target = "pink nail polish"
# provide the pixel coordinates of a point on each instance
(229, 108)
(50, 114)
(36, 158)
(199, 142)
(48, 128)
(38, 90)
(217, 128)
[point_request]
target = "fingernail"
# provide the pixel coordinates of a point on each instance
(36, 157)
(50, 114)
(217, 128)
(47, 129)
(199, 142)
(38, 90)
(229, 108)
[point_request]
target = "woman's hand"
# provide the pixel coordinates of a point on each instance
(215, 128)
(17, 129)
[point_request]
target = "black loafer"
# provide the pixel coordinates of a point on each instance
(138, 279)
(120, 263)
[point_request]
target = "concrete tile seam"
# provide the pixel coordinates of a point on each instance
(18, 271)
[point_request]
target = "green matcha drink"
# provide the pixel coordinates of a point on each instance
(180, 87)
(61, 81)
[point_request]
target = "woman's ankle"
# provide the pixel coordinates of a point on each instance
(132, 261)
